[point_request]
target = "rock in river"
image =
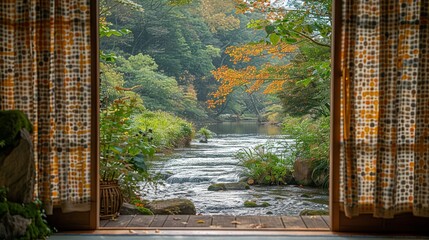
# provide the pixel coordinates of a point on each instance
(302, 171)
(174, 206)
(228, 186)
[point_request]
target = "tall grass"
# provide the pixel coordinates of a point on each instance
(266, 165)
(168, 131)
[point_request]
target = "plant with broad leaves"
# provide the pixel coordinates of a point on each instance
(124, 149)
(105, 31)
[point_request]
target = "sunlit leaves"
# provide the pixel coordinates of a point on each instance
(292, 21)
(247, 52)
(218, 15)
(268, 77)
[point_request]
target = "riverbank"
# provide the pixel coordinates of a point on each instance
(188, 172)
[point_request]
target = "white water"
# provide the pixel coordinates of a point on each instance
(189, 172)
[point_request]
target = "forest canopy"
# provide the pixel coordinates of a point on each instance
(200, 59)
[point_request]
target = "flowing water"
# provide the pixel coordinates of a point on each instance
(190, 171)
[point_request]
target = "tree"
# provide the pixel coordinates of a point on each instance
(251, 78)
(158, 91)
(292, 31)
(217, 15)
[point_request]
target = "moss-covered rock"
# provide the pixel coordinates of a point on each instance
(252, 204)
(217, 187)
(28, 217)
(175, 206)
(228, 186)
(312, 212)
(17, 169)
(11, 122)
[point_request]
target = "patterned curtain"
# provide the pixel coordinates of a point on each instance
(45, 71)
(385, 108)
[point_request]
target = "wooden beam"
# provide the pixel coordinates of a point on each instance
(334, 186)
(95, 112)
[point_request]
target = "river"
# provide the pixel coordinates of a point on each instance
(189, 172)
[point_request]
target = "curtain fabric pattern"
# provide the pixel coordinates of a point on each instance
(45, 71)
(385, 108)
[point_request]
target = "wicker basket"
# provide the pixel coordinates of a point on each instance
(110, 199)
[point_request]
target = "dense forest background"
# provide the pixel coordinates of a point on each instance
(175, 55)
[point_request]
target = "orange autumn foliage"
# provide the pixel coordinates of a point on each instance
(245, 53)
(268, 77)
(271, 10)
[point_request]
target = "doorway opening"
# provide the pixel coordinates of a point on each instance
(223, 104)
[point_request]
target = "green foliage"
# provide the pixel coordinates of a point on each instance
(145, 211)
(307, 20)
(168, 130)
(307, 25)
(205, 132)
(124, 149)
(158, 91)
(309, 94)
(311, 142)
(140, 206)
(38, 228)
(265, 165)
(273, 113)
(105, 31)
(177, 35)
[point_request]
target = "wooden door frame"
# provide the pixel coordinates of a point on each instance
(363, 223)
(94, 220)
(334, 176)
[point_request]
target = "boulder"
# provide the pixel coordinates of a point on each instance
(302, 170)
(13, 227)
(228, 186)
(217, 187)
(17, 170)
(129, 209)
(175, 206)
(311, 212)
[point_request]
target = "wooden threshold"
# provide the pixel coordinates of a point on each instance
(220, 222)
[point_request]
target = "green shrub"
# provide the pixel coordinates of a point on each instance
(38, 228)
(144, 211)
(265, 165)
(311, 142)
(169, 131)
(124, 149)
(205, 132)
